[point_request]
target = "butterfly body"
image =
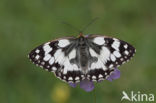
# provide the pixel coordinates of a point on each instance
(92, 57)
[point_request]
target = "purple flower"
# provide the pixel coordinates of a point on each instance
(89, 85)
(114, 75)
(73, 85)
(85, 85)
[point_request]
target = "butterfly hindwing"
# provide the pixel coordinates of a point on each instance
(110, 53)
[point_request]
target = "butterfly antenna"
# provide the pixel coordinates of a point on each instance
(89, 24)
(71, 26)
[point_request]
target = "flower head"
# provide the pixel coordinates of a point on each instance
(114, 75)
(85, 85)
(89, 85)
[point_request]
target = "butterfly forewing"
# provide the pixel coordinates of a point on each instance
(110, 53)
(43, 55)
(52, 56)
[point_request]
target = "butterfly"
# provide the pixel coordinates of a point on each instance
(92, 57)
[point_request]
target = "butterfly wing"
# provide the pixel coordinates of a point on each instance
(110, 54)
(55, 56)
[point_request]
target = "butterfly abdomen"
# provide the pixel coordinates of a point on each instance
(83, 54)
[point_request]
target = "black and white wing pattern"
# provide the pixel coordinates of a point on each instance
(92, 57)
(110, 53)
(52, 56)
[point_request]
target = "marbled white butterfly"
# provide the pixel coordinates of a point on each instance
(92, 57)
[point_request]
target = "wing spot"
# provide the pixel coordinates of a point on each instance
(70, 78)
(123, 62)
(41, 66)
(38, 61)
(48, 66)
(42, 63)
(127, 60)
(63, 80)
(63, 43)
(47, 57)
(111, 65)
(64, 77)
(116, 44)
(93, 77)
(125, 46)
(126, 52)
(54, 68)
(37, 57)
(37, 51)
(113, 57)
(72, 54)
(121, 59)
(77, 78)
(46, 69)
(117, 54)
(99, 40)
(92, 52)
(59, 74)
(115, 39)
(59, 56)
(47, 48)
(105, 54)
(100, 76)
(51, 61)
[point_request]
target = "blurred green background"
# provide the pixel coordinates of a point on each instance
(25, 24)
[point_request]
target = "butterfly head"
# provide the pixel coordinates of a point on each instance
(80, 35)
(81, 38)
